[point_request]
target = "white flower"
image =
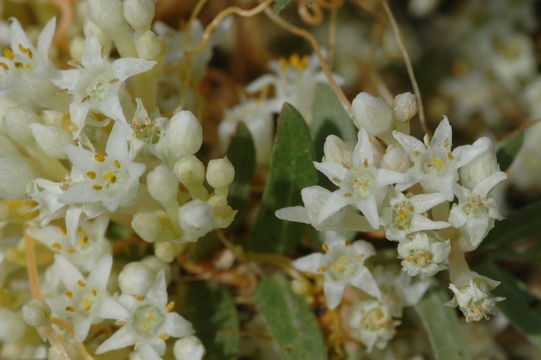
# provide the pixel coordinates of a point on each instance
(314, 198)
(372, 114)
(149, 324)
(84, 253)
(424, 253)
(362, 185)
(404, 215)
(342, 265)
(85, 301)
(25, 71)
(371, 322)
(97, 83)
(472, 295)
(475, 212)
(110, 180)
(435, 165)
(188, 348)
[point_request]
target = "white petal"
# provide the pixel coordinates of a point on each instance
(81, 326)
(148, 353)
(111, 309)
(91, 52)
(293, 213)
(334, 203)
(363, 150)
(120, 339)
(67, 272)
(332, 170)
(369, 208)
(110, 106)
(309, 263)
(457, 218)
(410, 144)
(363, 248)
(157, 294)
(73, 214)
(66, 79)
(419, 223)
(333, 292)
(387, 177)
(366, 282)
(423, 202)
(176, 326)
(46, 37)
(128, 67)
(117, 144)
(442, 136)
(100, 275)
(261, 83)
(484, 187)
(18, 37)
(466, 153)
(78, 114)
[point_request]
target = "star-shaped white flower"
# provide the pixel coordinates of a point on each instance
(149, 324)
(342, 264)
(97, 83)
(435, 165)
(314, 198)
(424, 253)
(475, 212)
(111, 180)
(85, 300)
(363, 185)
(405, 215)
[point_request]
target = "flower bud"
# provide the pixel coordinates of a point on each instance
(148, 45)
(220, 173)
(395, 159)
(162, 184)
(153, 226)
(139, 13)
(12, 326)
(404, 107)
(167, 251)
(76, 48)
(135, 279)
(223, 213)
(188, 348)
(36, 313)
(337, 150)
(106, 14)
(51, 139)
(371, 113)
(157, 265)
(189, 170)
(15, 173)
(16, 123)
(184, 135)
(196, 219)
(480, 168)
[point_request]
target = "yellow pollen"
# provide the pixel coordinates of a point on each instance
(336, 180)
(450, 156)
(322, 269)
(69, 294)
(61, 91)
(437, 162)
(9, 54)
(284, 66)
(110, 177)
(91, 174)
(4, 66)
(113, 81)
(83, 240)
(20, 65)
(57, 246)
(81, 283)
(64, 231)
(117, 164)
(144, 326)
(97, 187)
(85, 99)
(360, 257)
(150, 317)
(70, 309)
(81, 231)
(365, 163)
(139, 298)
(347, 242)
(71, 250)
(337, 267)
(164, 336)
(325, 247)
(446, 143)
(99, 158)
(94, 292)
(170, 306)
(409, 259)
(26, 51)
(87, 304)
(348, 195)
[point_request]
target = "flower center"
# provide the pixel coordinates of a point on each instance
(98, 89)
(147, 320)
(375, 320)
(342, 266)
(402, 215)
(420, 257)
(476, 206)
(362, 183)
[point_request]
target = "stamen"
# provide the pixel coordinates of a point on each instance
(4, 66)
(170, 306)
(9, 54)
(69, 294)
(91, 174)
(81, 283)
(99, 158)
(97, 187)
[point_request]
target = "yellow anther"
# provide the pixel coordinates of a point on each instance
(87, 304)
(117, 164)
(336, 180)
(139, 298)
(365, 163)
(415, 153)
(20, 65)
(144, 326)
(348, 195)
(446, 143)
(83, 240)
(56, 246)
(81, 283)
(409, 259)
(284, 66)
(110, 177)
(360, 257)
(164, 336)
(70, 308)
(4, 66)
(99, 158)
(9, 54)
(450, 156)
(437, 162)
(347, 242)
(71, 250)
(94, 292)
(91, 174)
(61, 91)
(26, 51)
(322, 269)
(85, 99)
(97, 187)
(170, 306)
(64, 231)
(150, 317)
(114, 81)
(69, 294)
(325, 247)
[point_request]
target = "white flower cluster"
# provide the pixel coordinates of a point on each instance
(78, 149)
(433, 200)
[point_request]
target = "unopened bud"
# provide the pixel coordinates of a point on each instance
(167, 251)
(12, 326)
(220, 173)
(107, 14)
(15, 173)
(139, 13)
(162, 184)
(188, 348)
(148, 45)
(189, 170)
(153, 226)
(395, 159)
(16, 123)
(196, 219)
(184, 135)
(337, 150)
(480, 167)
(371, 113)
(36, 313)
(404, 107)
(223, 213)
(52, 139)
(135, 279)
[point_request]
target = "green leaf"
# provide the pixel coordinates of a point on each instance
(330, 118)
(519, 224)
(290, 171)
(509, 150)
(211, 309)
(290, 320)
(280, 5)
(442, 325)
(241, 153)
(520, 306)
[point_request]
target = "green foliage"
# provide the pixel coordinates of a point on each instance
(442, 325)
(520, 306)
(241, 153)
(290, 171)
(290, 320)
(509, 150)
(518, 225)
(211, 309)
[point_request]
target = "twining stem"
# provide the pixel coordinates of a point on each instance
(317, 49)
(61, 37)
(409, 67)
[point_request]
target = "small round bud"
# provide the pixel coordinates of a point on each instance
(220, 173)
(36, 313)
(157, 265)
(371, 113)
(404, 107)
(189, 170)
(153, 226)
(76, 48)
(188, 348)
(12, 326)
(15, 173)
(480, 168)
(184, 135)
(139, 13)
(51, 139)
(162, 184)
(167, 251)
(337, 150)
(135, 279)
(196, 219)
(395, 159)
(16, 123)
(148, 45)
(223, 213)
(106, 14)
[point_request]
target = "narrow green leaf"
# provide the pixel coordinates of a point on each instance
(442, 325)
(290, 320)
(241, 153)
(330, 118)
(520, 306)
(291, 170)
(519, 224)
(509, 150)
(280, 5)
(211, 309)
